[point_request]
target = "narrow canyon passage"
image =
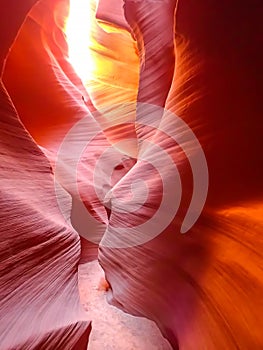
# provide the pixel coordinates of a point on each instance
(133, 136)
(112, 329)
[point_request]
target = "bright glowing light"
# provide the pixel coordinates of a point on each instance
(78, 31)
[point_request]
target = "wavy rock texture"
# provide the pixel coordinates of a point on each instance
(39, 250)
(203, 288)
(40, 307)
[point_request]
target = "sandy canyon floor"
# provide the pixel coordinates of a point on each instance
(112, 329)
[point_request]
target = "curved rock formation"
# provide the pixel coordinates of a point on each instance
(39, 304)
(202, 288)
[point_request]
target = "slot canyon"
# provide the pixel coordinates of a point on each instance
(131, 192)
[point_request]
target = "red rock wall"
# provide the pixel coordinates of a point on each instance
(40, 251)
(203, 288)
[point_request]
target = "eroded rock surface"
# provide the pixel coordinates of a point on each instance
(203, 288)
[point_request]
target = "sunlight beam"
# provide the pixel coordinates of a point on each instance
(78, 31)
